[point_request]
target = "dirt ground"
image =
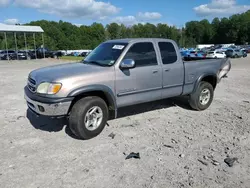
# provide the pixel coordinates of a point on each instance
(178, 147)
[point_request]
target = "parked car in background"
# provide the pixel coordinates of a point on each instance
(7, 54)
(24, 55)
(248, 49)
(45, 52)
(17, 55)
(120, 73)
(244, 52)
(234, 53)
(216, 54)
(30, 54)
(192, 55)
(217, 46)
(70, 54)
(83, 54)
(201, 54)
(187, 55)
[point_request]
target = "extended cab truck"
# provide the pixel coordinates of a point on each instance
(120, 73)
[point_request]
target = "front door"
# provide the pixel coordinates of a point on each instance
(142, 83)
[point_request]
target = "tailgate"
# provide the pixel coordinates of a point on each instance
(225, 67)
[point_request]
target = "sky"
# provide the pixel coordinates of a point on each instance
(128, 12)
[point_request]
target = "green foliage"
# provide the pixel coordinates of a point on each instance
(66, 36)
(235, 29)
(73, 58)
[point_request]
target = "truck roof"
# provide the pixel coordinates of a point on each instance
(128, 40)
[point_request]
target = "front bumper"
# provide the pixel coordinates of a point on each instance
(51, 108)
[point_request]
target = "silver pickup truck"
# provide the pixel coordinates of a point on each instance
(121, 73)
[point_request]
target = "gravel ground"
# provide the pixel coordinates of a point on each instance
(178, 147)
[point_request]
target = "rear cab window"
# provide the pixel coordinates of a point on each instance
(168, 52)
(143, 53)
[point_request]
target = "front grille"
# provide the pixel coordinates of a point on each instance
(32, 81)
(31, 84)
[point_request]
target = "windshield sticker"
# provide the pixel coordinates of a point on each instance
(118, 47)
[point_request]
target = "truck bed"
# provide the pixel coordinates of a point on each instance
(194, 69)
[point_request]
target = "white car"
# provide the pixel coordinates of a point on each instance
(216, 54)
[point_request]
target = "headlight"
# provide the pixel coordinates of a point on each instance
(49, 88)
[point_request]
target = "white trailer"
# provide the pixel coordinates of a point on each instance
(200, 46)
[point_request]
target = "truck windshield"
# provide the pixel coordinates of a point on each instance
(105, 54)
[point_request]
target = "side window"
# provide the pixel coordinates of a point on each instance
(143, 54)
(168, 53)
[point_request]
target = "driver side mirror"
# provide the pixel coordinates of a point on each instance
(127, 64)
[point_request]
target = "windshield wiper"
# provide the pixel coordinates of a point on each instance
(96, 63)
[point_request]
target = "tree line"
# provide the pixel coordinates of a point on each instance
(66, 36)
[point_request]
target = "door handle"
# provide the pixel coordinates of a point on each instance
(155, 71)
(166, 70)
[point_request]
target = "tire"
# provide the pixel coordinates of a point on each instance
(215, 57)
(194, 100)
(77, 117)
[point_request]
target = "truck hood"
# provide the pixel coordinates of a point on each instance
(65, 71)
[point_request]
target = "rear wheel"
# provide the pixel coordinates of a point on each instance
(88, 117)
(202, 98)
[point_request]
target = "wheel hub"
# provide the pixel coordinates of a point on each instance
(93, 118)
(205, 96)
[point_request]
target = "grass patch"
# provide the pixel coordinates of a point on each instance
(74, 58)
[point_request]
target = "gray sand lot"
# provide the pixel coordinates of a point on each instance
(178, 147)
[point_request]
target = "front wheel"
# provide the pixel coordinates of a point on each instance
(88, 117)
(202, 98)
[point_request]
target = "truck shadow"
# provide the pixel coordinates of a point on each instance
(181, 102)
(49, 124)
(45, 123)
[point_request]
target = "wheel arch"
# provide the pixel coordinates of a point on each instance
(208, 77)
(101, 91)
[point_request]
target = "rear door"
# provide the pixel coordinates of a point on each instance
(142, 83)
(172, 69)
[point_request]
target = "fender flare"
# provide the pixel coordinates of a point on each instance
(96, 87)
(203, 76)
